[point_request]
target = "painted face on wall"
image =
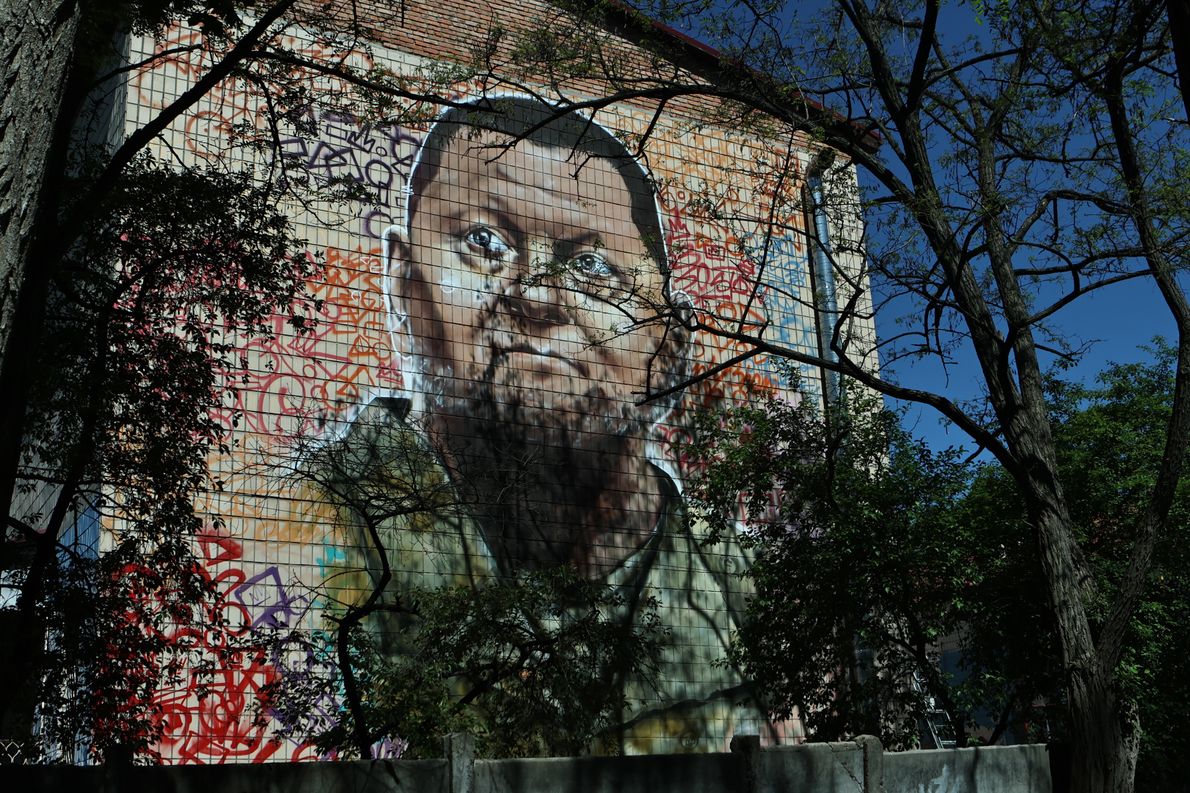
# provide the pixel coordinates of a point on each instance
(530, 287)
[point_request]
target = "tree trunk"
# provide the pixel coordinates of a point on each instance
(37, 40)
(37, 45)
(1105, 736)
(1179, 27)
(1104, 731)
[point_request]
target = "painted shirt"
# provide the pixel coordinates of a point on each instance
(390, 490)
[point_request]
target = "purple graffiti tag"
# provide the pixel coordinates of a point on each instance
(264, 597)
(377, 157)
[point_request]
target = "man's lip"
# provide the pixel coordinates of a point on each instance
(544, 353)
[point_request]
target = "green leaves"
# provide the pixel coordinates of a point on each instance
(885, 562)
(870, 565)
(530, 665)
(140, 353)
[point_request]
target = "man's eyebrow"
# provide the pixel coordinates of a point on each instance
(497, 211)
(567, 246)
(589, 237)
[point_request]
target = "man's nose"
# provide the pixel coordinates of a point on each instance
(538, 291)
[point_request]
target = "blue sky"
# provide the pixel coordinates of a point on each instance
(1118, 321)
(1114, 322)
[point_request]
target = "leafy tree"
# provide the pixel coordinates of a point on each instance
(531, 663)
(126, 284)
(1109, 438)
(139, 353)
(867, 560)
(527, 664)
(880, 551)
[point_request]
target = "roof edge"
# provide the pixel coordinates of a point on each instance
(699, 58)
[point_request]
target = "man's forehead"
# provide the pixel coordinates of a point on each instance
(503, 157)
(574, 192)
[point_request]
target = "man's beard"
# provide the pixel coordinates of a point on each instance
(534, 466)
(501, 408)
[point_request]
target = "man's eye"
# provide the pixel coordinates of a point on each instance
(592, 264)
(486, 242)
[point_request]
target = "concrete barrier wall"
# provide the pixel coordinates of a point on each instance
(691, 773)
(810, 767)
(852, 767)
(985, 770)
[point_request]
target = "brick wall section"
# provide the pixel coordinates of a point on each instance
(452, 31)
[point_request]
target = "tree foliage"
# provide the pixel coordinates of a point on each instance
(867, 563)
(528, 665)
(139, 356)
(531, 664)
(875, 554)
(1110, 436)
(129, 283)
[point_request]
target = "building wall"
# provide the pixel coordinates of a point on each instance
(322, 414)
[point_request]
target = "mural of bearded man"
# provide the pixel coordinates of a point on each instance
(532, 280)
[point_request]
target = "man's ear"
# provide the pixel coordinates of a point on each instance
(674, 350)
(396, 255)
(410, 299)
(398, 273)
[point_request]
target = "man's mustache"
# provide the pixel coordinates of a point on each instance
(502, 341)
(500, 353)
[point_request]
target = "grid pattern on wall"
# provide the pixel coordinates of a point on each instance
(488, 325)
